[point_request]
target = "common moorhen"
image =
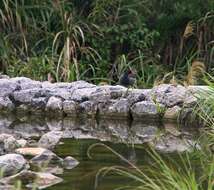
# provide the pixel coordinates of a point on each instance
(127, 79)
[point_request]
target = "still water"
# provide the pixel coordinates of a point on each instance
(129, 139)
(83, 176)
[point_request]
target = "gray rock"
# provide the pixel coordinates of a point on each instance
(170, 95)
(38, 104)
(107, 92)
(82, 94)
(6, 104)
(26, 96)
(50, 139)
(30, 151)
(7, 87)
(88, 108)
(70, 107)
(70, 162)
(145, 110)
(81, 84)
(11, 164)
(115, 108)
(26, 83)
(138, 95)
(54, 105)
(8, 143)
(4, 76)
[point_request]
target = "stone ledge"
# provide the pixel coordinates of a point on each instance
(22, 95)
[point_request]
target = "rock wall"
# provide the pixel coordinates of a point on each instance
(22, 95)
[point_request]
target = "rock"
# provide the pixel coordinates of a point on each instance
(115, 108)
(7, 87)
(4, 76)
(70, 107)
(8, 143)
(172, 113)
(81, 84)
(88, 108)
(38, 104)
(6, 104)
(50, 139)
(145, 110)
(83, 94)
(11, 164)
(32, 179)
(30, 151)
(54, 105)
(26, 96)
(26, 83)
(170, 95)
(22, 143)
(70, 162)
(45, 158)
(107, 92)
(138, 95)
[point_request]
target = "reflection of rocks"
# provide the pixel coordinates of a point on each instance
(11, 164)
(31, 179)
(144, 133)
(170, 143)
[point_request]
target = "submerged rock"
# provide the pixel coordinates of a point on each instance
(50, 139)
(70, 162)
(11, 164)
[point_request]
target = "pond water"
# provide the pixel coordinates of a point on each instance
(129, 139)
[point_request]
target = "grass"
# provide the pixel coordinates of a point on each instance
(190, 171)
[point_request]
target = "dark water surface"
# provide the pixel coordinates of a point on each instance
(127, 138)
(83, 177)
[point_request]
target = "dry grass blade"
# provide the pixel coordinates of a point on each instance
(196, 71)
(189, 30)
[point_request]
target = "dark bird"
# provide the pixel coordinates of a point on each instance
(127, 79)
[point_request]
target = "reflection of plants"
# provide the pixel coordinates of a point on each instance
(193, 171)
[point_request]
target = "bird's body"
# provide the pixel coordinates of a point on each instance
(127, 79)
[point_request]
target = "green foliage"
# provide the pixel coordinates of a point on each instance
(89, 39)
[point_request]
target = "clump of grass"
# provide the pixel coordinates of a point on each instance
(193, 171)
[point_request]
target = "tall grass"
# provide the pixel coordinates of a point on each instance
(190, 171)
